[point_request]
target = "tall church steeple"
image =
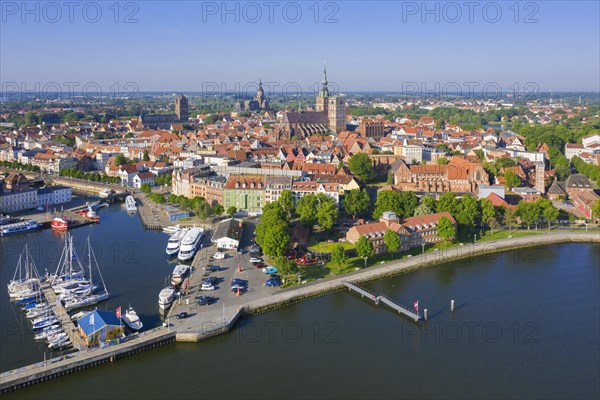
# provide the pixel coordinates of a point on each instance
(324, 90)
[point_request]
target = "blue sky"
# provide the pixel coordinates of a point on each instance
(381, 45)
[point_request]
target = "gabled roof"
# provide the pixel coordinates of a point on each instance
(97, 320)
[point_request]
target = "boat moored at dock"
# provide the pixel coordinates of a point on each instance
(19, 227)
(130, 204)
(174, 242)
(166, 297)
(190, 244)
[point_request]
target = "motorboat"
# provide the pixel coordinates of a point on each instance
(130, 204)
(175, 241)
(104, 193)
(171, 229)
(59, 224)
(43, 322)
(59, 343)
(179, 274)
(19, 227)
(190, 244)
(166, 297)
(132, 320)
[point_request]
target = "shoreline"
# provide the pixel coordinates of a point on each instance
(40, 372)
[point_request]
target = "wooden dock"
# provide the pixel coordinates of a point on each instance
(65, 319)
(385, 300)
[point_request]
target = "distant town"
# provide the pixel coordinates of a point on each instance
(343, 169)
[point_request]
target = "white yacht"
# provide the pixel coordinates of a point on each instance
(106, 193)
(179, 274)
(175, 241)
(132, 320)
(166, 297)
(190, 244)
(130, 204)
(171, 229)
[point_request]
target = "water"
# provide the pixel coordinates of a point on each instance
(526, 325)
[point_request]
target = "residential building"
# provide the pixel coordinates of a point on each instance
(18, 201)
(54, 195)
(584, 201)
(275, 185)
(245, 192)
(145, 177)
(306, 186)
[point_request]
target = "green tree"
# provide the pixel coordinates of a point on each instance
(272, 232)
(447, 202)
(31, 119)
(488, 212)
(442, 161)
(468, 212)
(387, 200)
(364, 248)
(120, 159)
(146, 156)
(218, 209)
(509, 217)
(356, 202)
(446, 229)
(529, 213)
(287, 268)
(327, 213)
(231, 211)
(146, 188)
(392, 241)
(549, 212)
(596, 209)
(307, 210)
(429, 202)
(480, 154)
(360, 165)
(339, 256)
(422, 209)
(512, 179)
(286, 201)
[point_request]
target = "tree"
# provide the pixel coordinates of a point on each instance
(422, 209)
(548, 211)
(392, 241)
(446, 229)
(387, 200)
(596, 210)
(356, 202)
(218, 209)
(287, 268)
(360, 164)
(428, 201)
(120, 159)
(146, 156)
(146, 188)
(480, 154)
(338, 255)
(307, 210)
(509, 217)
(442, 161)
(327, 213)
(364, 248)
(286, 201)
(529, 213)
(272, 232)
(468, 211)
(512, 179)
(231, 211)
(447, 202)
(488, 212)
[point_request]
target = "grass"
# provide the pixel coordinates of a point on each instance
(327, 247)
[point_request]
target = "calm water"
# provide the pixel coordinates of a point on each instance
(526, 325)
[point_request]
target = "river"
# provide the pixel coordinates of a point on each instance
(526, 325)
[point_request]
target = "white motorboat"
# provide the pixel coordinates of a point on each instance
(106, 193)
(175, 241)
(166, 297)
(179, 274)
(19, 227)
(132, 320)
(171, 229)
(130, 204)
(59, 343)
(190, 244)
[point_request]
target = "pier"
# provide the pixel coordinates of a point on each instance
(380, 298)
(65, 319)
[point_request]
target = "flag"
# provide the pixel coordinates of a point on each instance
(92, 319)
(118, 312)
(416, 305)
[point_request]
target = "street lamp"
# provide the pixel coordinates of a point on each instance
(365, 258)
(423, 248)
(474, 238)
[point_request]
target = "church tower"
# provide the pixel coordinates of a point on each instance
(333, 106)
(181, 108)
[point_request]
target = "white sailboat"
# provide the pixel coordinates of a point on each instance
(78, 302)
(26, 280)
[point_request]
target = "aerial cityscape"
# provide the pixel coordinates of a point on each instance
(300, 200)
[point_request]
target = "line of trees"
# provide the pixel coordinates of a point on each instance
(18, 165)
(90, 176)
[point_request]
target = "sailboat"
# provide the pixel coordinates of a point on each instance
(88, 300)
(69, 271)
(25, 282)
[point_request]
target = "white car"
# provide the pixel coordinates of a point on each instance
(219, 255)
(207, 286)
(255, 260)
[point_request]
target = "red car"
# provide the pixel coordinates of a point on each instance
(260, 265)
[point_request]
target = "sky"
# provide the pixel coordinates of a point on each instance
(211, 46)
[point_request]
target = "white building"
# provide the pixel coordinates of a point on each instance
(18, 201)
(54, 195)
(228, 234)
(412, 153)
(143, 177)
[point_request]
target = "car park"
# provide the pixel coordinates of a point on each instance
(219, 255)
(273, 282)
(270, 270)
(207, 286)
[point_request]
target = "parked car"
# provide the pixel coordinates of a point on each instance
(235, 288)
(260, 265)
(211, 280)
(237, 281)
(213, 268)
(219, 255)
(205, 300)
(275, 276)
(182, 315)
(207, 286)
(273, 282)
(270, 270)
(255, 260)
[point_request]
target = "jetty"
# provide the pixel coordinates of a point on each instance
(65, 319)
(383, 299)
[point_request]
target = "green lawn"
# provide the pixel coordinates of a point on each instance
(327, 247)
